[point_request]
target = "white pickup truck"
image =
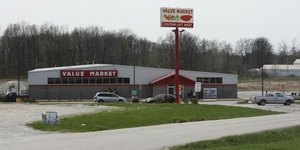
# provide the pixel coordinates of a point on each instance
(273, 98)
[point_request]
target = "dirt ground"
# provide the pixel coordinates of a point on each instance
(287, 86)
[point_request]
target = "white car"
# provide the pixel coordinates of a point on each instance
(101, 97)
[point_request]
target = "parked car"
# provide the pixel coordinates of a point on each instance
(273, 98)
(160, 98)
(101, 97)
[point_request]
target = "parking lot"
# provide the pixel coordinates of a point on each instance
(17, 136)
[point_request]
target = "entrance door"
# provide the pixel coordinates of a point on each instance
(171, 89)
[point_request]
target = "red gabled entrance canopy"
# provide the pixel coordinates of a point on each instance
(170, 79)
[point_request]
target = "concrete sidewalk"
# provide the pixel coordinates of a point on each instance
(152, 137)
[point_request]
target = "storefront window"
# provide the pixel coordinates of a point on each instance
(88, 80)
(126, 81)
(119, 80)
(71, 81)
(211, 80)
(50, 80)
(99, 81)
(85, 80)
(57, 80)
(112, 80)
(92, 80)
(64, 81)
(105, 80)
(78, 80)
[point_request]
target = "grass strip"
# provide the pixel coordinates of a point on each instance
(281, 139)
(137, 115)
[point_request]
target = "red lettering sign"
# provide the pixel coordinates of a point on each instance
(89, 73)
(177, 17)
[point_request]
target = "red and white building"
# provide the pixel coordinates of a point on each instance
(83, 81)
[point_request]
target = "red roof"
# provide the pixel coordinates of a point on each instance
(170, 79)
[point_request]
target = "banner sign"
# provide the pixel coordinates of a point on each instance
(197, 86)
(177, 17)
(88, 73)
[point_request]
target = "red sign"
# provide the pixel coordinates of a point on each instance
(89, 73)
(177, 17)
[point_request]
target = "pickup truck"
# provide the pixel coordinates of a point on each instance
(273, 98)
(11, 97)
(296, 95)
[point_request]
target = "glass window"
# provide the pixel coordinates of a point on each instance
(212, 80)
(205, 80)
(57, 81)
(112, 80)
(50, 80)
(92, 80)
(126, 80)
(120, 80)
(199, 79)
(85, 80)
(78, 80)
(64, 80)
(71, 80)
(99, 81)
(105, 80)
(219, 80)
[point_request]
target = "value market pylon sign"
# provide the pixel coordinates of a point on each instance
(177, 17)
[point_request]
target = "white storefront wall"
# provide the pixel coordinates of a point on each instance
(143, 75)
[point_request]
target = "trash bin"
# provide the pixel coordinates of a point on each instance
(18, 99)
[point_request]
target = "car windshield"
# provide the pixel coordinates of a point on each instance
(159, 96)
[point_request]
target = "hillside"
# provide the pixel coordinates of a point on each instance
(270, 85)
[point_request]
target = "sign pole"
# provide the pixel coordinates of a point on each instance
(177, 64)
(176, 17)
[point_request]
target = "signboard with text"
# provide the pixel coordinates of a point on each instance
(89, 73)
(177, 17)
(197, 86)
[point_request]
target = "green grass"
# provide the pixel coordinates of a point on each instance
(136, 115)
(282, 139)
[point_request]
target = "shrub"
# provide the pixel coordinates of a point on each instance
(194, 100)
(135, 100)
(28, 100)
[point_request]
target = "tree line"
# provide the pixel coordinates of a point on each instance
(25, 47)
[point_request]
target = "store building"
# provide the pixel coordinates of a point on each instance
(83, 81)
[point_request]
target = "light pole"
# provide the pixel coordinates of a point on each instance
(262, 68)
(134, 46)
(17, 39)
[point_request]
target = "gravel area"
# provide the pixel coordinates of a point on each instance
(13, 116)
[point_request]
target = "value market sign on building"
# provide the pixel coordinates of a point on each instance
(88, 73)
(177, 17)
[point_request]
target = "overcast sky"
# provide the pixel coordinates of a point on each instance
(223, 20)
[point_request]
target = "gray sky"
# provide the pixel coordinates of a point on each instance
(223, 20)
